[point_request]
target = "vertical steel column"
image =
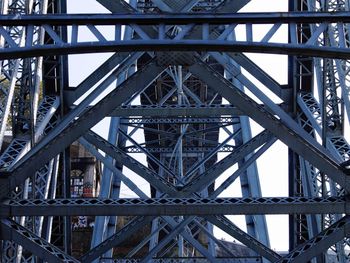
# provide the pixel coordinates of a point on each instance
(300, 179)
(250, 183)
(110, 184)
(292, 157)
(331, 90)
(53, 82)
(27, 75)
(66, 162)
(180, 173)
(326, 119)
(9, 69)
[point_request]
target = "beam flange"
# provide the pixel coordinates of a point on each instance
(175, 206)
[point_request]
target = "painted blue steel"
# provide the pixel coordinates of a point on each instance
(250, 185)
(115, 126)
(167, 206)
(110, 185)
(176, 18)
(253, 111)
(246, 239)
(326, 115)
(175, 45)
(193, 33)
(56, 136)
(38, 246)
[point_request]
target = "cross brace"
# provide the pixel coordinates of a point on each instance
(10, 230)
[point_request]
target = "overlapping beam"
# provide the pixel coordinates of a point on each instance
(153, 178)
(157, 181)
(123, 234)
(199, 182)
(298, 140)
(71, 128)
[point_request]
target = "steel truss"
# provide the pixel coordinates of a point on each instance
(174, 63)
(161, 42)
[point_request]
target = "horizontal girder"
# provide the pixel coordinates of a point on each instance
(162, 38)
(178, 120)
(188, 151)
(249, 259)
(175, 206)
(175, 18)
(175, 45)
(176, 110)
(213, 110)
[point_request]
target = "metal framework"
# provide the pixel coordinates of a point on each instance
(182, 91)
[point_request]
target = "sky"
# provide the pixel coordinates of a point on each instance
(272, 165)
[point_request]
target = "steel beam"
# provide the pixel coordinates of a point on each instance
(299, 141)
(187, 151)
(175, 45)
(73, 94)
(176, 18)
(70, 130)
(246, 63)
(201, 181)
(209, 34)
(227, 226)
(249, 259)
(108, 163)
(319, 243)
(154, 179)
(117, 6)
(123, 234)
(10, 230)
(178, 229)
(175, 206)
(179, 120)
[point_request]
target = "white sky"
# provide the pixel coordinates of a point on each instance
(272, 165)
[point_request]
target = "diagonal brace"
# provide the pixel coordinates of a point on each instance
(61, 136)
(11, 230)
(287, 134)
(319, 243)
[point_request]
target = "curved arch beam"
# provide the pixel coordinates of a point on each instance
(176, 18)
(175, 45)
